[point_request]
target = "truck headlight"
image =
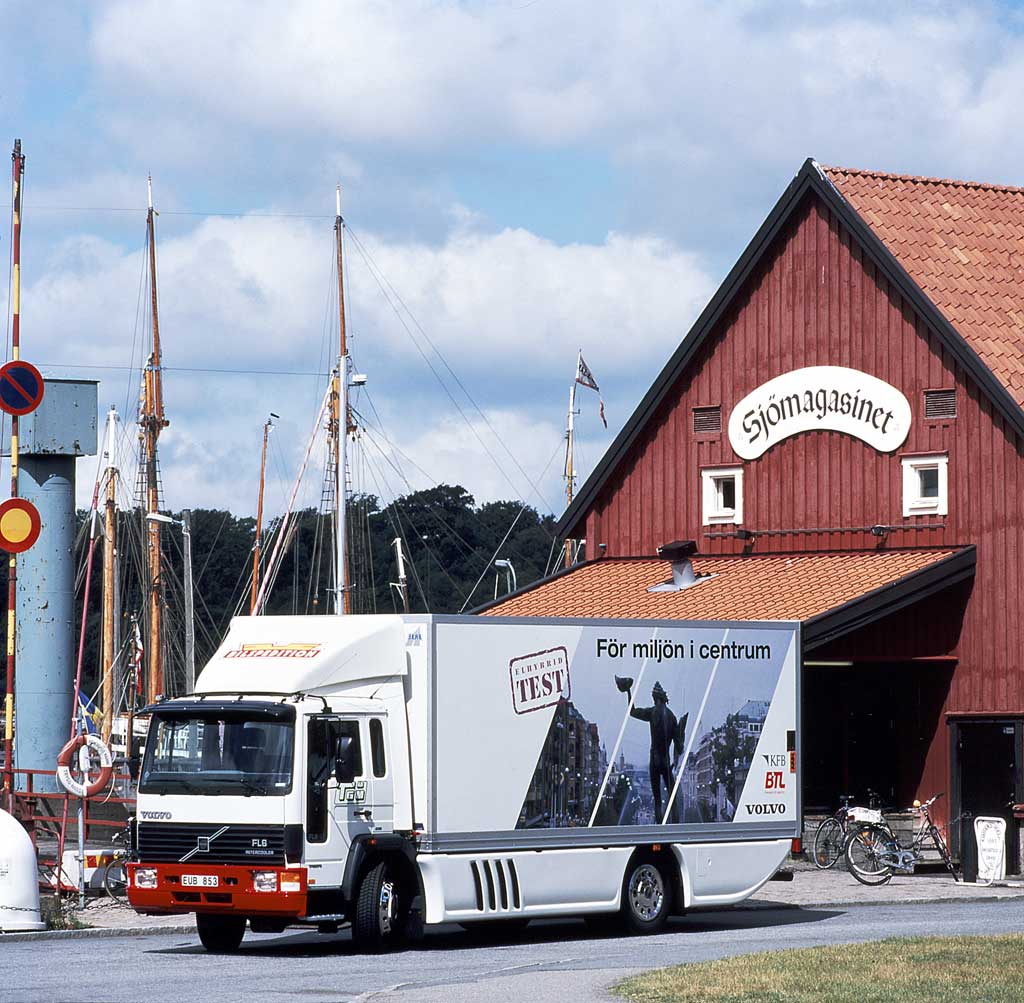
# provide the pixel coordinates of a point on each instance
(145, 877)
(264, 881)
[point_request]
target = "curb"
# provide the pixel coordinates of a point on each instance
(852, 903)
(96, 931)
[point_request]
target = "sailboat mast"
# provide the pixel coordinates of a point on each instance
(109, 583)
(17, 172)
(267, 426)
(341, 429)
(153, 421)
(570, 473)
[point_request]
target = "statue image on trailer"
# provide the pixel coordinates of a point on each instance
(666, 731)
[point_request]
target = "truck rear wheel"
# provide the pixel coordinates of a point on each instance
(220, 934)
(646, 896)
(381, 910)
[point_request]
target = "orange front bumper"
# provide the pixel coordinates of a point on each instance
(234, 891)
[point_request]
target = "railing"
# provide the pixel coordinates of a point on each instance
(51, 816)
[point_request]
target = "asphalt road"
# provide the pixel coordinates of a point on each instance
(550, 961)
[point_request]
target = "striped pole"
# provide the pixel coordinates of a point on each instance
(17, 173)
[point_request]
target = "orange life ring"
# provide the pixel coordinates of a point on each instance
(66, 757)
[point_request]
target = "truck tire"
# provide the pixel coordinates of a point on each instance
(380, 914)
(220, 934)
(646, 896)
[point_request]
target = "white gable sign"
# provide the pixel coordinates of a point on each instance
(820, 397)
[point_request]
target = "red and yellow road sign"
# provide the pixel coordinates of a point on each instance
(19, 525)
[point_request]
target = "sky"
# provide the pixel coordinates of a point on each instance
(520, 180)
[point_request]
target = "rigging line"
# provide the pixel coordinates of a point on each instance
(426, 546)
(433, 369)
(184, 369)
(268, 581)
(326, 326)
(135, 329)
(393, 446)
(490, 563)
(394, 518)
(454, 375)
(225, 213)
(213, 546)
(470, 549)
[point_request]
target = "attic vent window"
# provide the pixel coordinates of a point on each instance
(707, 420)
(722, 490)
(939, 404)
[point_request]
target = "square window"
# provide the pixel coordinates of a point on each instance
(722, 492)
(925, 485)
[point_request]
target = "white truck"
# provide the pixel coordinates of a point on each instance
(396, 772)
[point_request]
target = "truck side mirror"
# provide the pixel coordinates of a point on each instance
(343, 771)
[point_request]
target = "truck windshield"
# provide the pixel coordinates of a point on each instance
(219, 752)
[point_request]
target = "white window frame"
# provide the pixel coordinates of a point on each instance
(713, 513)
(913, 502)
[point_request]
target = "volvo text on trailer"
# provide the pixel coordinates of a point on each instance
(393, 772)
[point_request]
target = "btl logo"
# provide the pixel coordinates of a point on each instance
(773, 781)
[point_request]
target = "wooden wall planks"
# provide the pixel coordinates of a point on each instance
(817, 300)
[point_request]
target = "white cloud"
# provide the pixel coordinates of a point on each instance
(728, 80)
(508, 310)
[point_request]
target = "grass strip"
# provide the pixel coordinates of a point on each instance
(914, 970)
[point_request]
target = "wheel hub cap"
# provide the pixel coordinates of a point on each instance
(646, 892)
(387, 906)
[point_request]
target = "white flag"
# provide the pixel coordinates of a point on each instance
(585, 378)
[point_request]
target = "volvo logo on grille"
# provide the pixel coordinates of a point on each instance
(203, 844)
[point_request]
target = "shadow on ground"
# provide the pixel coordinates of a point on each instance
(306, 944)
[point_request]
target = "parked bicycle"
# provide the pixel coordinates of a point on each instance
(830, 839)
(115, 879)
(874, 852)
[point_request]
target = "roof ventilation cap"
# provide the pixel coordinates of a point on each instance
(679, 553)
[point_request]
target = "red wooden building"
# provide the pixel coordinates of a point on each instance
(842, 435)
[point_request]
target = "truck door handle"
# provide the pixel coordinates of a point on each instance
(363, 811)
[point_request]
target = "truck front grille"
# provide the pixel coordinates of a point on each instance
(210, 843)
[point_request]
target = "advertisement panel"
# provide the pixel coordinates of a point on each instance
(598, 724)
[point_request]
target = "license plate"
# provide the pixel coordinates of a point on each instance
(200, 880)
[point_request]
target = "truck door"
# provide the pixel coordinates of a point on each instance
(335, 814)
(382, 787)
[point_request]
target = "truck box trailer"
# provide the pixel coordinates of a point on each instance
(399, 771)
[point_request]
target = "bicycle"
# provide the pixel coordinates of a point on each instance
(830, 838)
(874, 853)
(115, 879)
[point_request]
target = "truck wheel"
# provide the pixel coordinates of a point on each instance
(646, 896)
(220, 934)
(380, 914)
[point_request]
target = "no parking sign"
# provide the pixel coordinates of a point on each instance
(21, 387)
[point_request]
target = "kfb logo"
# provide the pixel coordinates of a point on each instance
(415, 638)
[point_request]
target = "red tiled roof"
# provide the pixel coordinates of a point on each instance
(962, 242)
(769, 587)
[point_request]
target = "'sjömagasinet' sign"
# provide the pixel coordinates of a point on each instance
(820, 397)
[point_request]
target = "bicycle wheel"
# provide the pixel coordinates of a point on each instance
(828, 843)
(865, 850)
(115, 883)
